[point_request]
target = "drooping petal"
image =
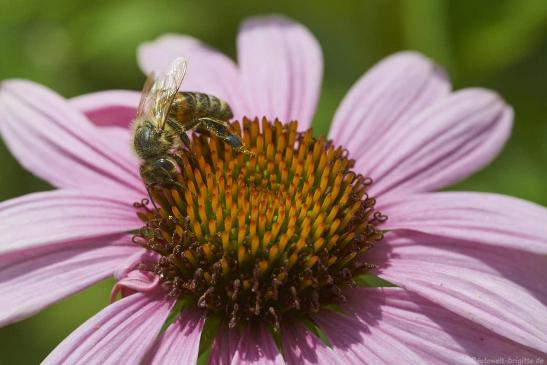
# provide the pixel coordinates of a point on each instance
(108, 108)
(135, 281)
(209, 71)
(256, 346)
(180, 342)
(281, 68)
(224, 346)
(130, 279)
(133, 262)
(52, 217)
(491, 219)
(53, 140)
(33, 279)
(302, 347)
(122, 333)
(384, 99)
(440, 146)
(460, 277)
(394, 326)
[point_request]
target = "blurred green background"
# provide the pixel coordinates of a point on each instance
(76, 47)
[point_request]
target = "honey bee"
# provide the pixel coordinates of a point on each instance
(165, 115)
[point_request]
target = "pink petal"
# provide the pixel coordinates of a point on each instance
(384, 99)
(393, 326)
(132, 263)
(442, 145)
(356, 343)
(122, 333)
(302, 347)
(492, 219)
(180, 343)
(119, 139)
(113, 111)
(58, 144)
(130, 279)
(32, 279)
(136, 281)
(52, 217)
(224, 346)
(108, 108)
(281, 68)
(209, 71)
(461, 278)
(256, 346)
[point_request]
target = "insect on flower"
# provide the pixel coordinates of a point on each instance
(165, 115)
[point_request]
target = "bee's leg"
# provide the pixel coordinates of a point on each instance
(186, 140)
(181, 132)
(168, 174)
(218, 128)
(177, 184)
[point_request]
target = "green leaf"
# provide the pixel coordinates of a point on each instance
(373, 281)
(210, 330)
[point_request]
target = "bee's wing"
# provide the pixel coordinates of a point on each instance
(146, 104)
(165, 89)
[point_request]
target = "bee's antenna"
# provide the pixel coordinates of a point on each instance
(151, 199)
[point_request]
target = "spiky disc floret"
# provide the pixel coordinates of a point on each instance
(259, 236)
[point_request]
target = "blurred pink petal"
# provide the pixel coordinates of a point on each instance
(108, 108)
(180, 342)
(209, 71)
(122, 333)
(384, 99)
(224, 346)
(42, 219)
(491, 219)
(256, 346)
(302, 347)
(54, 141)
(443, 144)
(281, 68)
(34, 278)
(393, 326)
(455, 277)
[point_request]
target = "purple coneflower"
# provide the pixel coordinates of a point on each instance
(268, 248)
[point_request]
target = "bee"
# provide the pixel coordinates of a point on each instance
(165, 115)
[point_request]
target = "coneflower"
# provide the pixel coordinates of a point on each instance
(265, 253)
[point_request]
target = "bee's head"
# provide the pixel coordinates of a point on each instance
(148, 141)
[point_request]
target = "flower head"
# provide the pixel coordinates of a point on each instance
(256, 237)
(275, 238)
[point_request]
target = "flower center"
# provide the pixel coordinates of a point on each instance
(283, 230)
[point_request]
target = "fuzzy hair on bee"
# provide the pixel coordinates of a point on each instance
(147, 142)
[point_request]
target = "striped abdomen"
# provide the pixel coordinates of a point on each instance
(190, 106)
